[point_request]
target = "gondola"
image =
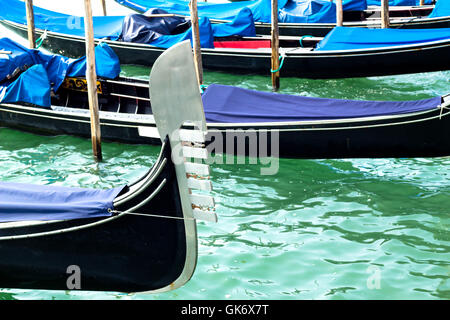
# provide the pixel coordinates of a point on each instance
(300, 127)
(362, 53)
(356, 14)
(133, 238)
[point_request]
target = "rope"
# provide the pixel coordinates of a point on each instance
(202, 88)
(281, 64)
(41, 39)
(303, 37)
(148, 215)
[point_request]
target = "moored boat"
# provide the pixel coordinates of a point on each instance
(136, 237)
(302, 127)
(316, 18)
(362, 53)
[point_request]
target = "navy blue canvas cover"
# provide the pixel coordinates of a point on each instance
(27, 87)
(228, 104)
(140, 28)
(164, 32)
(347, 38)
(25, 202)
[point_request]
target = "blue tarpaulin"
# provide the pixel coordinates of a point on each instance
(290, 10)
(112, 27)
(164, 32)
(398, 2)
(32, 86)
(25, 202)
(56, 67)
(303, 11)
(441, 9)
(104, 27)
(228, 104)
(206, 36)
(346, 38)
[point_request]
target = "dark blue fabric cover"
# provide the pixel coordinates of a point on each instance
(139, 28)
(398, 2)
(347, 38)
(291, 11)
(25, 202)
(164, 32)
(442, 9)
(57, 68)
(206, 36)
(227, 104)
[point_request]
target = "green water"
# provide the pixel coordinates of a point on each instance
(318, 229)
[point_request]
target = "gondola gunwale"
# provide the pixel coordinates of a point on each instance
(147, 120)
(320, 29)
(253, 52)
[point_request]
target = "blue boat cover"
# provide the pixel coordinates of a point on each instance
(441, 9)
(25, 202)
(139, 28)
(298, 11)
(347, 38)
(32, 86)
(125, 28)
(164, 32)
(28, 86)
(227, 104)
(104, 27)
(398, 2)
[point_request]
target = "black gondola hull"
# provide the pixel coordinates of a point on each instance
(298, 63)
(412, 135)
(128, 253)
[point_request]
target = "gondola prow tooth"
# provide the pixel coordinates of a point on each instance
(178, 110)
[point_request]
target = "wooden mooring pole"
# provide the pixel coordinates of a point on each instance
(275, 58)
(196, 41)
(91, 77)
(30, 23)
(385, 14)
(339, 13)
(104, 7)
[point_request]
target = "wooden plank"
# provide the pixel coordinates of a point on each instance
(91, 77)
(339, 13)
(196, 41)
(104, 7)
(30, 24)
(385, 14)
(275, 42)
